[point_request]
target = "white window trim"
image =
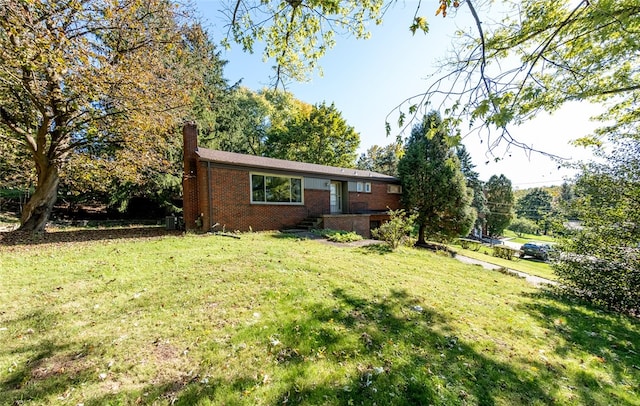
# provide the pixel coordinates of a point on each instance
(300, 203)
(363, 187)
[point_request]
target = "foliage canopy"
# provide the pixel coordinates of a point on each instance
(500, 203)
(433, 183)
(88, 80)
(601, 261)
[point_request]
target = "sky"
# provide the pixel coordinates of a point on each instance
(368, 79)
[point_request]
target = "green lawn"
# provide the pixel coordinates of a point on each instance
(269, 319)
(527, 265)
(528, 237)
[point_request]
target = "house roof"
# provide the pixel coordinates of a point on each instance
(263, 163)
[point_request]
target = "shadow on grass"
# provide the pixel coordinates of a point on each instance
(296, 236)
(385, 350)
(380, 249)
(16, 238)
(50, 368)
(611, 340)
(389, 351)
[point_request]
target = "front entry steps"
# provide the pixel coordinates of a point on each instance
(308, 224)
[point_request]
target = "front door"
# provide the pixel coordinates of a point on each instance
(336, 197)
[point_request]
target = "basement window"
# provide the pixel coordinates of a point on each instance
(275, 189)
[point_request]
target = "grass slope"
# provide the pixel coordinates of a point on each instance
(528, 265)
(269, 319)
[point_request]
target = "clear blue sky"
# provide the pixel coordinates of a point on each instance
(367, 79)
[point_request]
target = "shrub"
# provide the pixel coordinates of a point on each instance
(610, 279)
(397, 229)
(340, 235)
(501, 251)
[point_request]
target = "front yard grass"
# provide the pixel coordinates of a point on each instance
(528, 265)
(272, 319)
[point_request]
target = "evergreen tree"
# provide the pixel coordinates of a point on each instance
(433, 183)
(535, 206)
(500, 202)
(479, 202)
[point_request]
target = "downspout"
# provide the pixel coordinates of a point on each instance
(209, 196)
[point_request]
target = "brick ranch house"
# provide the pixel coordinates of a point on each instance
(246, 192)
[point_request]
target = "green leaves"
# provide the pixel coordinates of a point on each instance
(601, 261)
(500, 202)
(298, 33)
(316, 134)
(433, 182)
(104, 81)
(419, 23)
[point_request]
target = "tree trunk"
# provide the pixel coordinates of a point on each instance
(37, 210)
(421, 231)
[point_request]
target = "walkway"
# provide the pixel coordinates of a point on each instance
(534, 280)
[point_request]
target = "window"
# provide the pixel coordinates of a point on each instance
(363, 187)
(275, 189)
(395, 189)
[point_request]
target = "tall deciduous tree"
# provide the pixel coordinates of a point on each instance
(381, 159)
(322, 137)
(87, 76)
(500, 201)
(542, 54)
(433, 183)
(601, 261)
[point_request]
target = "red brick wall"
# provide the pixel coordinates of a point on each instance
(233, 210)
(355, 222)
(378, 199)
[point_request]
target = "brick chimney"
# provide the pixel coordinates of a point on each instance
(190, 207)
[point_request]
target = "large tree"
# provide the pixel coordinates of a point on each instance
(91, 77)
(601, 260)
(535, 205)
(517, 59)
(235, 120)
(474, 183)
(433, 183)
(381, 159)
(321, 136)
(538, 56)
(500, 202)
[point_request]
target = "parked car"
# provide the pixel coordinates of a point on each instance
(536, 250)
